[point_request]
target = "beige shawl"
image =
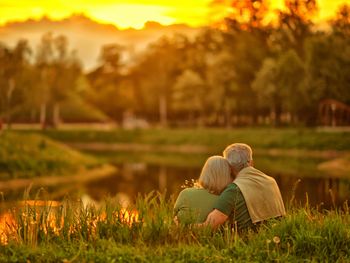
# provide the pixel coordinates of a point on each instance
(261, 194)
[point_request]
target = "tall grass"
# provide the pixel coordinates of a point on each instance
(145, 232)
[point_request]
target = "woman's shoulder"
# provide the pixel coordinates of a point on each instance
(187, 194)
(192, 190)
(196, 191)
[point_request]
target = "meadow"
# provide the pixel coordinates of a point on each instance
(159, 145)
(71, 231)
(214, 138)
(145, 232)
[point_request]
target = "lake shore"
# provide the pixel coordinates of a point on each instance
(214, 138)
(80, 177)
(148, 234)
(332, 145)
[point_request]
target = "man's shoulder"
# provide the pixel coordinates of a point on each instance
(252, 171)
(232, 187)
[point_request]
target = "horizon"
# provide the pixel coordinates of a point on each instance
(147, 24)
(135, 14)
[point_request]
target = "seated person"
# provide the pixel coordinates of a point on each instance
(194, 204)
(252, 198)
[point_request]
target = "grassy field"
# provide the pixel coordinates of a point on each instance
(73, 233)
(295, 146)
(307, 146)
(33, 155)
(216, 139)
(145, 231)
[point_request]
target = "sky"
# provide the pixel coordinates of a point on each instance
(131, 13)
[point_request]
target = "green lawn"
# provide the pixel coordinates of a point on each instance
(216, 139)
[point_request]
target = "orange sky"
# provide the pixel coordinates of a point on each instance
(131, 13)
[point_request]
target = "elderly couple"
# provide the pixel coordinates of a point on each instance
(230, 188)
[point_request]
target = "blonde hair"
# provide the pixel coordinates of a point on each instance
(239, 155)
(215, 175)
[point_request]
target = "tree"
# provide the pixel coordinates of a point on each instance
(111, 89)
(14, 64)
(222, 97)
(188, 95)
(341, 22)
(278, 88)
(244, 14)
(327, 72)
(59, 70)
(294, 25)
(159, 67)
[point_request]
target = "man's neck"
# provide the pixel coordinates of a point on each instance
(249, 166)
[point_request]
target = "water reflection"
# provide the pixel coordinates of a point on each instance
(141, 178)
(138, 177)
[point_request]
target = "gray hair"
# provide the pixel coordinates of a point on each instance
(239, 155)
(215, 175)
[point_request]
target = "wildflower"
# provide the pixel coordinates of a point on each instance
(276, 240)
(268, 241)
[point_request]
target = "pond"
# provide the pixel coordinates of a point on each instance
(141, 173)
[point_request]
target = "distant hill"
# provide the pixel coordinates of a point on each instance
(87, 36)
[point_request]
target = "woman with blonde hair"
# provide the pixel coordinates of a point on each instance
(195, 203)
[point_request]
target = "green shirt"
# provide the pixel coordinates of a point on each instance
(231, 202)
(194, 204)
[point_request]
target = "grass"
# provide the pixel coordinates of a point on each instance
(216, 139)
(106, 234)
(32, 155)
(313, 146)
(145, 231)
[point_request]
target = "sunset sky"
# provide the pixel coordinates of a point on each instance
(131, 13)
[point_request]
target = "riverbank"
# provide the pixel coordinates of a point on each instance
(164, 146)
(212, 138)
(81, 176)
(147, 233)
(33, 155)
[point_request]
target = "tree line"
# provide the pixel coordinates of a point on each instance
(241, 71)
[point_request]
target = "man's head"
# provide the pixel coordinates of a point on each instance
(239, 156)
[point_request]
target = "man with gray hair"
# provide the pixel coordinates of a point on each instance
(251, 198)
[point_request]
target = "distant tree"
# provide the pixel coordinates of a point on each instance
(327, 72)
(341, 22)
(13, 66)
(111, 90)
(294, 25)
(246, 40)
(245, 14)
(159, 67)
(222, 96)
(248, 50)
(201, 54)
(59, 70)
(278, 88)
(188, 95)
